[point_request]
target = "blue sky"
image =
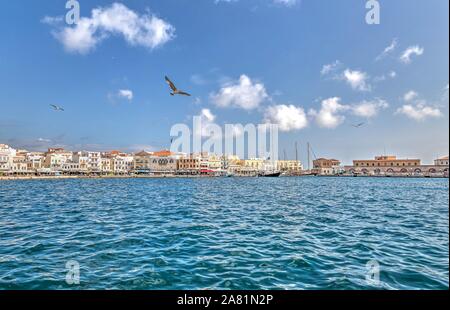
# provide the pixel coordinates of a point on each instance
(313, 66)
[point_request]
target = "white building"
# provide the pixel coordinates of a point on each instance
(55, 158)
(106, 165)
(122, 164)
(71, 168)
(35, 161)
(88, 161)
(6, 158)
(443, 161)
(19, 165)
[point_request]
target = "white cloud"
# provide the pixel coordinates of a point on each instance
(356, 79)
(126, 93)
(416, 108)
(389, 49)
(419, 111)
(207, 120)
(329, 115)
(329, 68)
(138, 30)
(369, 109)
(409, 52)
(43, 140)
(410, 96)
(287, 117)
(242, 94)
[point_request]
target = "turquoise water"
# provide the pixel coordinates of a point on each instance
(286, 233)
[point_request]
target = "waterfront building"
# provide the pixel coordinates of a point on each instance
(94, 160)
(392, 166)
(289, 166)
(7, 154)
(256, 164)
(142, 161)
(88, 161)
(122, 163)
(325, 166)
(35, 160)
(384, 165)
(214, 165)
(19, 165)
(56, 157)
(71, 167)
(163, 163)
(443, 161)
(235, 165)
(189, 165)
(246, 172)
(106, 165)
(82, 160)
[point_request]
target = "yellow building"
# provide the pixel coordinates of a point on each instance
(256, 164)
(290, 166)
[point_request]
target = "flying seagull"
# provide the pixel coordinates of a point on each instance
(175, 91)
(358, 125)
(57, 108)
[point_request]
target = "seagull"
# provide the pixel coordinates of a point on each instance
(175, 91)
(358, 125)
(57, 108)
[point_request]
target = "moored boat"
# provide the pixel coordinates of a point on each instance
(270, 174)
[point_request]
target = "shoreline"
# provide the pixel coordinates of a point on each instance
(37, 178)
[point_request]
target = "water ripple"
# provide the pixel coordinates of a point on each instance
(287, 233)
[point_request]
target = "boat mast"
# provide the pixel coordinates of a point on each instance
(309, 157)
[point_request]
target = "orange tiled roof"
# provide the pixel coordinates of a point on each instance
(165, 153)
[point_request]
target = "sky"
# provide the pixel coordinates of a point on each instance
(314, 67)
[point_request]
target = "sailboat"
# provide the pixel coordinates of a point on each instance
(270, 174)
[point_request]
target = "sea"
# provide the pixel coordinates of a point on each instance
(299, 233)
